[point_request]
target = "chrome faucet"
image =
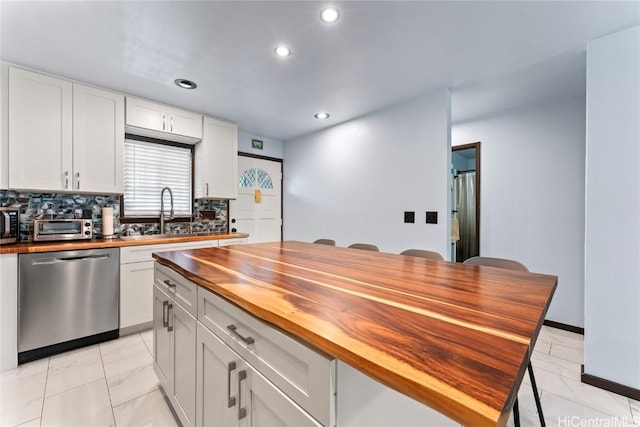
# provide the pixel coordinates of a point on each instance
(162, 208)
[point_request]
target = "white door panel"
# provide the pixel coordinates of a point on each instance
(246, 226)
(268, 206)
(261, 219)
(245, 205)
(270, 230)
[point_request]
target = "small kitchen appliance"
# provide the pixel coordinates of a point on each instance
(62, 229)
(9, 225)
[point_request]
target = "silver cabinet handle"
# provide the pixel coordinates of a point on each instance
(171, 124)
(231, 400)
(234, 330)
(207, 188)
(165, 314)
(164, 122)
(78, 180)
(66, 180)
(242, 412)
(169, 284)
(169, 316)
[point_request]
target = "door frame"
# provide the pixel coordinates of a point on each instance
(271, 159)
(476, 146)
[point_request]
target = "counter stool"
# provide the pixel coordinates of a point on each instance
(328, 242)
(512, 265)
(364, 246)
(421, 253)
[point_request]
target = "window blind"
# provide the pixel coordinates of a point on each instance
(148, 168)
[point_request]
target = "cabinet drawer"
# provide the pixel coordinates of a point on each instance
(181, 290)
(236, 241)
(303, 374)
(129, 254)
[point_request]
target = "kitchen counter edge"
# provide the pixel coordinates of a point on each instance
(31, 247)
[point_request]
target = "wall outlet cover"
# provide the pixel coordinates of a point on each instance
(409, 217)
(431, 217)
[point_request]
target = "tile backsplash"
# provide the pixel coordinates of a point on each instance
(209, 215)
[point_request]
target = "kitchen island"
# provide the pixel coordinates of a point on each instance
(454, 337)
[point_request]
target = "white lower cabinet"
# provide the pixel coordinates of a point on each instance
(174, 354)
(136, 281)
(230, 392)
(212, 380)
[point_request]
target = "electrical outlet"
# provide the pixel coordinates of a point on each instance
(409, 217)
(432, 217)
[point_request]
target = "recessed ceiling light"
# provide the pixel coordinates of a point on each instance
(186, 84)
(321, 115)
(282, 51)
(329, 15)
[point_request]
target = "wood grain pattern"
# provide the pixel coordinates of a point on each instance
(452, 336)
(30, 248)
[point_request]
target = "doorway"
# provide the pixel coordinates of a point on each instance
(465, 167)
(258, 208)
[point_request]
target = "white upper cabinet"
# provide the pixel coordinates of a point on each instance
(64, 136)
(98, 140)
(216, 161)
(40, 132)
(161, 121)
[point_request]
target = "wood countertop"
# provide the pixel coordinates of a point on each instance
(152, 239)
(455, 337)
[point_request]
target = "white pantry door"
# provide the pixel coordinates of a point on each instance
(258, 208)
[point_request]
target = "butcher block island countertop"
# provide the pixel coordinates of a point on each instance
(454, 337)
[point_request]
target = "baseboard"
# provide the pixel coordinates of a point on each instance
(136, 328)
(624, 390)
(564, 327)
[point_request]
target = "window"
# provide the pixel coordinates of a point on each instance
(148, 168)
(255, 178)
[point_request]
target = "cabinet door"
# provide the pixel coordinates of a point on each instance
(216, 381)
(185, 123)
(217, 160)
(146, 114)
(40, 132)
(136, 293)
(98, 140)
(267, 406)
(162, 340)
(183, 327)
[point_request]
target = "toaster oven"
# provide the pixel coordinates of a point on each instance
(9, 225)
(62, 229)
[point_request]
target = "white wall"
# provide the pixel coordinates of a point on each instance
(270, 147)
(612, 303)
(352, 182)
(4, 129)
(532, 194)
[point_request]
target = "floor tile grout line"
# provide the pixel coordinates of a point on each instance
(44, 392)
(106, 383)
(576, 402)
(136, 398)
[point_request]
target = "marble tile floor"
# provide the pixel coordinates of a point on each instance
(113, 383)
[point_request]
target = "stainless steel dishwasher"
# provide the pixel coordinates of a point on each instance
(66, 299)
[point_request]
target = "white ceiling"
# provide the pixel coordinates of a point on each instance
(494, 55)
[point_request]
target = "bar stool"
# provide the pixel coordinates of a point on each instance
(364, 246)
(512, 265)
(328, 242)
(421, 253)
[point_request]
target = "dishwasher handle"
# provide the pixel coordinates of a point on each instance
(41, 261)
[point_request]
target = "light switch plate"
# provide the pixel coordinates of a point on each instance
(431, 217)
(409, 217)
